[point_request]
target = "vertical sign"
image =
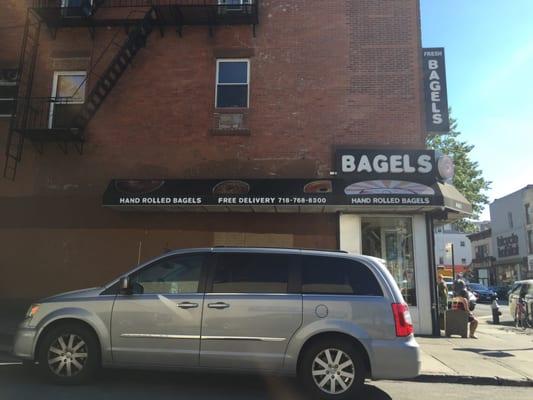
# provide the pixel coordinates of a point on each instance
(436, 97)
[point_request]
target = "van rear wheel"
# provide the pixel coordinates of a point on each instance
(333, 369)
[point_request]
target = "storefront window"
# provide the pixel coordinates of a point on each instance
(391, 238)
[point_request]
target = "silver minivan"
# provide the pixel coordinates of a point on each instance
(331, 318)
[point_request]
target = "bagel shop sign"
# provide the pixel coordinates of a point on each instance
(435, 93)
(422, 166)
(270, 195)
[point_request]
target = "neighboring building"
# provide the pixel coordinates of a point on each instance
(483, 267)
(481, 225)
(512, 235)
(446, 236)
(259, 123)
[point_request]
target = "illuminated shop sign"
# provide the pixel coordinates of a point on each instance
(436, 97)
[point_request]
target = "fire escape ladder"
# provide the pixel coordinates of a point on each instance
(135, 41)
(19, 119)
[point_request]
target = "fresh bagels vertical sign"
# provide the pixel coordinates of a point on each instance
(436, 97)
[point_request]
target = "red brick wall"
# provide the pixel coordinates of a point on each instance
(323, 74)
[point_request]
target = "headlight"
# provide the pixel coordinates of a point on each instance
(32, 310)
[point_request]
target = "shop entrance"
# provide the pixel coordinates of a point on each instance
(391, 238)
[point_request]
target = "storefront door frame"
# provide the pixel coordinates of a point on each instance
(350, 239)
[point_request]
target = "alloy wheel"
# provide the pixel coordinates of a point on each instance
(333, 371)
(67, 355)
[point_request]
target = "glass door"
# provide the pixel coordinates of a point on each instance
(391, 238)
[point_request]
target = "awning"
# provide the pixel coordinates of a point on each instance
(281, 196)
(453, 200)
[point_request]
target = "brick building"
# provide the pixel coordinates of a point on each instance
(237, 95)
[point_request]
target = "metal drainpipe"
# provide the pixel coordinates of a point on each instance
(432, 276)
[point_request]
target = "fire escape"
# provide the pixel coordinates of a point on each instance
(32, 117)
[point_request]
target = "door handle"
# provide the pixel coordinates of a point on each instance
(187, 304)
(218, 305)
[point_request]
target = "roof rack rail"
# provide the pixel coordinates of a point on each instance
(280, 248)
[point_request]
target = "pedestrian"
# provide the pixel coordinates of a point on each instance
(443, 294)
(460, 302)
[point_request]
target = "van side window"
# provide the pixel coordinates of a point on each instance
(332, 275)
(173, 275)
(251, 273)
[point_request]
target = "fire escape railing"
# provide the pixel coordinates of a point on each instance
(63, 120)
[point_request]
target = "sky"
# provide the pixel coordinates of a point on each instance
(489, 71)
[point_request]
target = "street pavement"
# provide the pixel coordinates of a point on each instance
(499, 364)
(17, 383)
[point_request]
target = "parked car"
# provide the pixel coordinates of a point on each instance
(523, 289)
(332, 318)
(482, 293)
(501, 291)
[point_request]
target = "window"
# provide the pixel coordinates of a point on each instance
(173, 275)
(441, 260)
(232, 83)
(391, 238)
(68, 92)
(76, 8)
(529, 211)
(530, 241)
(463, 261)
(331, 275)
(482, 251)
(462, 244)
(252, 273)
(233, 5)
(8, 91)
(510, 219)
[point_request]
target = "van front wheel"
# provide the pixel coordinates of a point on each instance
(69, 354)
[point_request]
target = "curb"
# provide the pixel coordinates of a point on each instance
(472, 380)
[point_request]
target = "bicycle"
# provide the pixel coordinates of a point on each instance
(521, 315)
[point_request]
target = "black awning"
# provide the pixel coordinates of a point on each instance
(281, 195)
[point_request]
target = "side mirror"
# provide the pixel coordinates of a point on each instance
(124, 285)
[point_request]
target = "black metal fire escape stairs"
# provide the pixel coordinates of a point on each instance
(28, 58)
(34, 118)
(26, 112)
(135, 41)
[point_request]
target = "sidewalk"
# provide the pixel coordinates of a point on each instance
(502, 355)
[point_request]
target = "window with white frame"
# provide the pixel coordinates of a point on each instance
(233, 5)
(76, 8)
(68, 93)
(232, 83)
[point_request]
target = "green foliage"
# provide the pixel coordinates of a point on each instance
(468, 176)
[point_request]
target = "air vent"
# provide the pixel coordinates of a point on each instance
(230, 121)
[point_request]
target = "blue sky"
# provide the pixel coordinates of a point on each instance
(489, 69)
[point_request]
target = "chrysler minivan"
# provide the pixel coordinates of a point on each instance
(331, 318)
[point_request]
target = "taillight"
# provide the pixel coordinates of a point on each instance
(402, 319)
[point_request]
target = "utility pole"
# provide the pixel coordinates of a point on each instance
(453, 262)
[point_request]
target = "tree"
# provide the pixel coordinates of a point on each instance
(468, 177)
